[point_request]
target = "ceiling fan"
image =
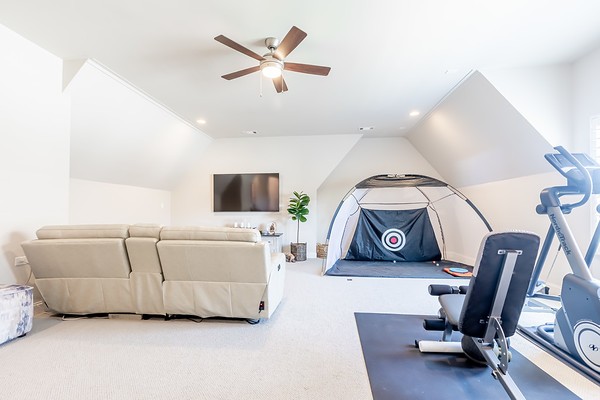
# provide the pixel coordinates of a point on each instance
(273, 63)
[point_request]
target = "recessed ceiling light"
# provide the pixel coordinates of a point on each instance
(201, 121)
(366, 128)
(249, 132)
(414, 113)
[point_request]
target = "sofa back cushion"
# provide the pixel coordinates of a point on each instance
(141, 247)
(82, 269)
(79, 251)
(120, 231)
(210, 234)
(214, 261)
(145, 230)
(146, 272)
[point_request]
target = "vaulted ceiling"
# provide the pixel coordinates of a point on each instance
(388, 57)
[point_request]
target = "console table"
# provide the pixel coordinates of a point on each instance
(273, 239)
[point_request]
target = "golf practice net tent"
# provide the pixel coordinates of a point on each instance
(404, 218)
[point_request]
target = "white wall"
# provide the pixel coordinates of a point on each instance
(108, 203)
(34, 154)
(586, 104)
(370, 156)
(303, 162)
(543, 95)
(510, 204)
(586, 98)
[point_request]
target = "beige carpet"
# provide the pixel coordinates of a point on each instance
(309, 350)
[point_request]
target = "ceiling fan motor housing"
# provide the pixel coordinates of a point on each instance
(271, 43)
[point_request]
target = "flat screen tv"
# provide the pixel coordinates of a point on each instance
(246, 192)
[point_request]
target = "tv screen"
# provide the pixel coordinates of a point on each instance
(246, 192)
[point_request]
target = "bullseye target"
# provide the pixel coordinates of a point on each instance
(393, 239)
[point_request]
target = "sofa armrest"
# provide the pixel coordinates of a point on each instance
(274, 292)
(277, 263)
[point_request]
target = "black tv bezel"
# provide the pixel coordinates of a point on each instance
(246, 174)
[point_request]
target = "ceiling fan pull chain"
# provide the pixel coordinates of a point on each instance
(260, 79)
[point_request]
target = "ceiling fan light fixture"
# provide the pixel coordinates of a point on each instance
(271, 67)
(272, 64)
(271, 71)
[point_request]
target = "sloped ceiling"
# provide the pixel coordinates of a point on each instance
(120, 136)
(476, 136)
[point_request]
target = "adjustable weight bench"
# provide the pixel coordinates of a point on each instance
(488, 310)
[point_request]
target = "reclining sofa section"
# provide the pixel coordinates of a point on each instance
(148, 269)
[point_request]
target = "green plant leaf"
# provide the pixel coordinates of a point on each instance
(298, 209)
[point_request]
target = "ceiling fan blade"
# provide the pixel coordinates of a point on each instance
(307, 68)
(289, 42)
(285, 88)
(280, 85)
(236, 46)
(242, 72)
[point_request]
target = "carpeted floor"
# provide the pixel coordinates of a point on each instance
(310, 349)
(397, 370)
(388, 269)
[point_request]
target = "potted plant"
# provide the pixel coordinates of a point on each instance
(298, 209)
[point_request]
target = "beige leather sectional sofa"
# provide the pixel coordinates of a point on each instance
(148, 269)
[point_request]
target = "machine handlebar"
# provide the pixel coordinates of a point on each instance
(587, 178)
(576, 168)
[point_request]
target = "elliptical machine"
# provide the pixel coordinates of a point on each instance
(576, 329)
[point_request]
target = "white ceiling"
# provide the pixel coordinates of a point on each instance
(387, 57)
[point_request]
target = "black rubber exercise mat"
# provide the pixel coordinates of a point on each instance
(389, 269)
(397, 370)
